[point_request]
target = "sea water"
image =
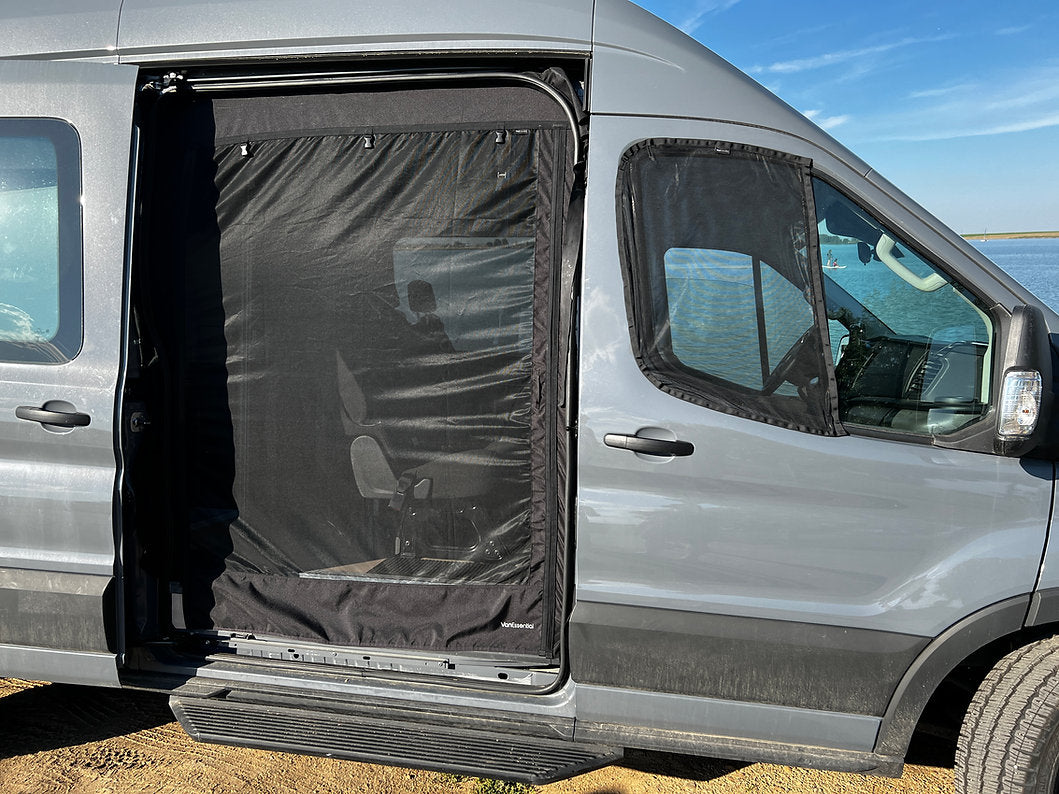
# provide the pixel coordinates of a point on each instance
(1033, 263)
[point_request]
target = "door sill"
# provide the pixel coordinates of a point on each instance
(302, 663)
(507, 670)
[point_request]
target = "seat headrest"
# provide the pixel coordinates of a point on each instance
(421, 298)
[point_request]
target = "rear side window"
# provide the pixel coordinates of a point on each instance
(728, 313)
(40, 241)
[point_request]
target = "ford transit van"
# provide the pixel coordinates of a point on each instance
(463, 387)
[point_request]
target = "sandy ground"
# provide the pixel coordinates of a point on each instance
(74, 739)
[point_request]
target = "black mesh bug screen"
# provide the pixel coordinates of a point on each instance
(363, 365)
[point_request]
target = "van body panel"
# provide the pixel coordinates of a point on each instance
(1049, 577)
(59, 588)
(643, 66)
(68, 667)
(56, 28)
(861, 534)
(162, 29)
(706, 655)
(902, 575)
(909, 570)
(725, 718)
(54, 610)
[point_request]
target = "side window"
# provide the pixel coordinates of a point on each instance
(912, 349)
(40, 241)
(716, 328)
(716, 249)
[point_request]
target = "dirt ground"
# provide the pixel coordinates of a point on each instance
(74, 739)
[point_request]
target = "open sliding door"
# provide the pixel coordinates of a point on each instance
(364, 361)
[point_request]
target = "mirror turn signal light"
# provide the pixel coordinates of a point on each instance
(1020, 404)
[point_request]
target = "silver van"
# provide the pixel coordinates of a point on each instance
(464, 387)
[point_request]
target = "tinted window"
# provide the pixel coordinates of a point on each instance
(40, 232)
(716, 248)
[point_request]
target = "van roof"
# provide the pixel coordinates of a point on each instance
(641, 65)
(156, 30)
(59, 29)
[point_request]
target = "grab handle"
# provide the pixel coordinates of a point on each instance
(54, 418)
(649, 446)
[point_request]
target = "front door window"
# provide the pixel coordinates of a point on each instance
(911, 347)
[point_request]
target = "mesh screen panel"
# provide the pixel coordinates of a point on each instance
(359, 362)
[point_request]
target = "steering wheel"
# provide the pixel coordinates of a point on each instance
(788, 364)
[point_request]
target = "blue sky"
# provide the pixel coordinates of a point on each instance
(955, 102)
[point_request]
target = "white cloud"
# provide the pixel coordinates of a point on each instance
(975, 131)
(840, 56)
(1012, 31)
(701, 10)
(1032, 91)
(1002, 103)
(933, 93)
(825, 122)
(830, 122)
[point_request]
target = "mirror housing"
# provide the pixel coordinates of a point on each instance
(1024, 410)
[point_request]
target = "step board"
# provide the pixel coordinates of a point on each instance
(483, 753)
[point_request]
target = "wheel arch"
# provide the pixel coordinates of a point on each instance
(962, 656)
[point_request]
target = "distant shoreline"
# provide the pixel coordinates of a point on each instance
(1010, 236)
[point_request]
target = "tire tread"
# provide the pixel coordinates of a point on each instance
(1010, 724)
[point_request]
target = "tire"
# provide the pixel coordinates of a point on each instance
(1009, 742)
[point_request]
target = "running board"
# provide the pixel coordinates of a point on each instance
(359, 737)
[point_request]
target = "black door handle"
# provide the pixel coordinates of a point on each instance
(57, 418)
(649, 446)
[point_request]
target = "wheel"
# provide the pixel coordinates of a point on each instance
(1009, 742)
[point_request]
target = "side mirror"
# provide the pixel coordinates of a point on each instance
(1026, 389)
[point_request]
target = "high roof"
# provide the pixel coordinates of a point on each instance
(645, 67)
(640, 64)
(152, 30)
(156, 29)
(59, 29)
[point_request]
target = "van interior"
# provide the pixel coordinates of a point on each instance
(344, 400)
